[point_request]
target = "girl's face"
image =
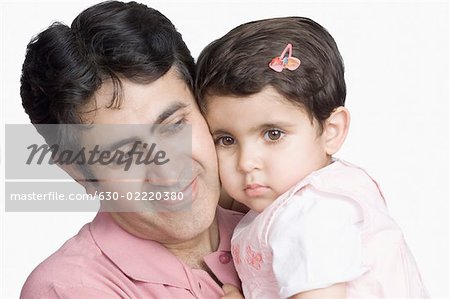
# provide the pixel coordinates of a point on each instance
(265, 144)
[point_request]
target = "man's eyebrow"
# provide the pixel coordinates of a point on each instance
(169, 111)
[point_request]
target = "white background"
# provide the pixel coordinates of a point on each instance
(397, 70)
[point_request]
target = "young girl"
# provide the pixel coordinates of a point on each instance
(273, 93)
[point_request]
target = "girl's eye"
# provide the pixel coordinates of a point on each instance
(225, 141)
(273, 134)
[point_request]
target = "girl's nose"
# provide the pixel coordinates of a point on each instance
(248, 159)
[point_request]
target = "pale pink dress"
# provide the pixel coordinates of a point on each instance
(331, 227)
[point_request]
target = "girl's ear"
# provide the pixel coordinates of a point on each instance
(335, 129)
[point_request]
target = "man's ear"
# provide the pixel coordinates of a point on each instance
(336, 129)
(77, 174)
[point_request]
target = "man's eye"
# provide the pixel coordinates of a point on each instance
(273, 134)
(122, 156)
(225, 141)
(129, 154)
(172, 128)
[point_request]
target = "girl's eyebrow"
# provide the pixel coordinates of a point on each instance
(269, 125)
(259, 127)
(219, 132)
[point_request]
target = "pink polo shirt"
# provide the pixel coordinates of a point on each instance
(104, 261)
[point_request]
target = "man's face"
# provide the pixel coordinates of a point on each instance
(169, 104)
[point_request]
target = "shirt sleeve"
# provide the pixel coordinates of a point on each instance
(316, 242)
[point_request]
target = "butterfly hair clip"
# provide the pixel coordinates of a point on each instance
(285, 61)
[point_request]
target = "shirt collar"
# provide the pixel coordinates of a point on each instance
(140, 259)
(226, 227)
(147, 260)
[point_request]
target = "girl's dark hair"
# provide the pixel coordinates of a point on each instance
(64, 65)
(238, 64)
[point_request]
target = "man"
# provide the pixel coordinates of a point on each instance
(124, 63)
